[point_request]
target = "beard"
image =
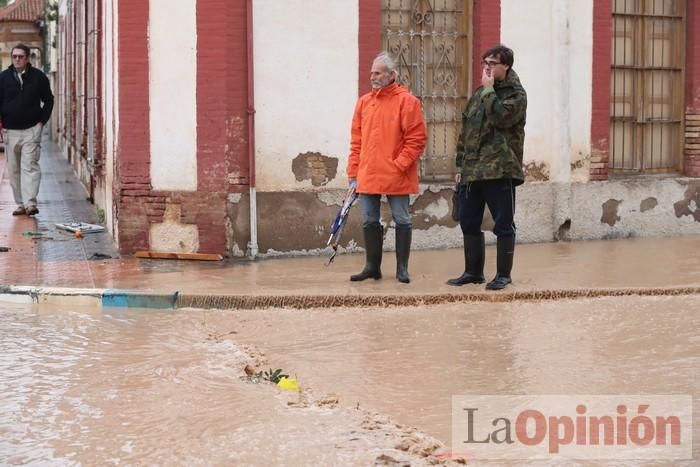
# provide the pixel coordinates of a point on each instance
(380, 83)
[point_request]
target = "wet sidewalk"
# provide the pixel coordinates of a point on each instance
(56, 258)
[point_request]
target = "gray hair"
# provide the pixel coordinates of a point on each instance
(388, 61)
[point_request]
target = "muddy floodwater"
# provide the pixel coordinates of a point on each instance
(143, 387)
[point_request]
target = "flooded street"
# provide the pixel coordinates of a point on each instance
(409, 362)
(144, 387)
(141, 387)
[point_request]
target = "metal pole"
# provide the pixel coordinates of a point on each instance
(253, 244)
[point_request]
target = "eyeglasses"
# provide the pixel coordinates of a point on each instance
(19, 57)
(489, 63)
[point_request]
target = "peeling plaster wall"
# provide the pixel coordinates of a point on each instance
(545, 212)
(552, 41)
(171, 235)
(601, 210)
(238, 231)
(676, 211)
(306, 68)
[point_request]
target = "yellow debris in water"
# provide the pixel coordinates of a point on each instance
(289, 384)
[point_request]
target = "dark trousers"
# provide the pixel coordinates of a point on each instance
(498, 195)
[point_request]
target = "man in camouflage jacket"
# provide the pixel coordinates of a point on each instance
(489, 162)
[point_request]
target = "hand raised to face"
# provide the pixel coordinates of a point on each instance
(487, 78)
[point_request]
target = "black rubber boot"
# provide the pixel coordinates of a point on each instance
(505, 248)
(403, 251)
(374, 239)
(474, 252)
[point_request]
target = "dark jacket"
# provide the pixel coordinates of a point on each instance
(493, 131)
(21, 104)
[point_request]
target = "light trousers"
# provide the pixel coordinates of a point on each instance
(22, 149)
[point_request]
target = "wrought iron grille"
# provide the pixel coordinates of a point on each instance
(430, 42)
(647, 86)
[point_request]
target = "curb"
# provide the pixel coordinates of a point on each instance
(252, 302)
(135, 299)
(117, 298)
(106, 298)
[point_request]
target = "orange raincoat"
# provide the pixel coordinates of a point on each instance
(387, 138)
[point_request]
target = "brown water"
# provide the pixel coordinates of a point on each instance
(135, 387)
(156, 388)
(409, 362)
(636, 262)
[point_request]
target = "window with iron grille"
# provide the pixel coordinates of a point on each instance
(429, 40)
(646, 105)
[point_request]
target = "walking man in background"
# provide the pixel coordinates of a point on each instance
(387, 137)
(26, 103)
(490, 166)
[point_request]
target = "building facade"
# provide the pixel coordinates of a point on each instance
(232, 134)
(23, 22)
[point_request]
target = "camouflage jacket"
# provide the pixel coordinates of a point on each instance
(490, 145)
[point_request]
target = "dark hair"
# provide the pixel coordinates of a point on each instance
(22, 47)
(504, 54)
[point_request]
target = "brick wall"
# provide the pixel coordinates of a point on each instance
(133, 184)
(222, 113)
(691, 159)
(691, 162)
(486, 33)
(222, 126)
(600, 118)
(370, 40)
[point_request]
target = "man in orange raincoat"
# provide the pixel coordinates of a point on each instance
(387, 137)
